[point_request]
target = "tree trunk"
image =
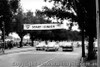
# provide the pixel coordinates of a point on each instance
(83, 45)
(32, 42)
(21, 42)
(91, 52)
(32, 38)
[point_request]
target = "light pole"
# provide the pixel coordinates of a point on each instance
(98, 31)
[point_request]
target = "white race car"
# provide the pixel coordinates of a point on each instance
(40, 46)
(51, 46)
(67, 46)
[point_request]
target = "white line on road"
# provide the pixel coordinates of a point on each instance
(46, 61)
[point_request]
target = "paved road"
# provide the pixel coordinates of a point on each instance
(42, 59)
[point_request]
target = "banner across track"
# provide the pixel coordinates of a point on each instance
(42, 26)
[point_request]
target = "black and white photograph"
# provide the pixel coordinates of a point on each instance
(49, 33)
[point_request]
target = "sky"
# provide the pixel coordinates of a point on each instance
(34, 4)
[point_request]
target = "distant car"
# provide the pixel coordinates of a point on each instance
(51, 46)
(60, 44)
(67, 46)
(40, 46)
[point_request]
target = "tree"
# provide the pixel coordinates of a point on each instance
(86, 11)
(18, 25)
(7, 9)
(85, 15)
(90, 25)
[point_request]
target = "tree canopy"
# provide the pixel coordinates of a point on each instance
(7, 10)
(84, 12)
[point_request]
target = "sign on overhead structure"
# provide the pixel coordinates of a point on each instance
(42, 26)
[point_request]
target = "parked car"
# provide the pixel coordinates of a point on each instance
(52, 46)
(67, 46)
(40, 46)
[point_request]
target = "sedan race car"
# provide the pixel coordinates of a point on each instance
(67, 46)
(40, 46)
(51, 46)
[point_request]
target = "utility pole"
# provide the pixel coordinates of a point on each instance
(98, 32)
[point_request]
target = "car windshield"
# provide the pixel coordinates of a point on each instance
(41, 43)
(51, 43)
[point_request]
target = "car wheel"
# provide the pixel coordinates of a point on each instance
(56, 49)
(63, 50)
(37, 49)
(46, 50)
(72, 49)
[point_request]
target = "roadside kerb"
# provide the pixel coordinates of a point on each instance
(18, 50)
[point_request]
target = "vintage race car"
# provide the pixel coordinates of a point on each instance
(51, 46)
(67, 46)
(40, 46)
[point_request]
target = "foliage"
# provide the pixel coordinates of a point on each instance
(18, 24)
(59, 13)
(82, 13)
(7, 9)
